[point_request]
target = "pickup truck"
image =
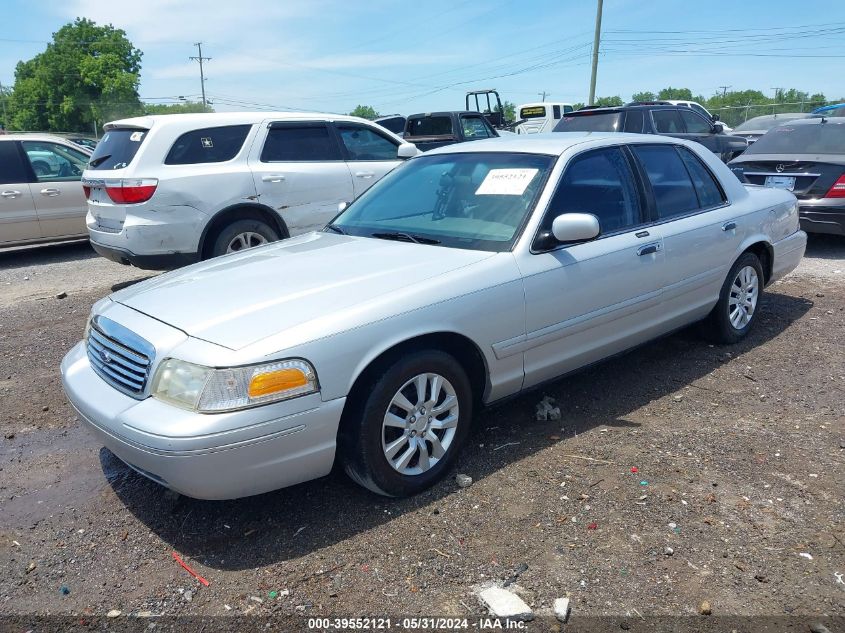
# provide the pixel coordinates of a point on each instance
(436, 129)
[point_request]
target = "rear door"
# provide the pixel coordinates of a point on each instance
(369, 154)
(18, 219)
(700, 229)
(57, 191)
(299, 171)
(587, 300)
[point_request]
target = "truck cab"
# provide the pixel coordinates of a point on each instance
(536, 118)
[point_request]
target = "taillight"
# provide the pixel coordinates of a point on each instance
(838, 189)
(87, 191)
(131, 190)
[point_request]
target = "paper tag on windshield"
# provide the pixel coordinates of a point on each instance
(506, 182)
(136, 136)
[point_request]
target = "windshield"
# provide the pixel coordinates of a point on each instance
(117, 148)
(476, 201)
(591, 122)
(766, 122)
(820, 138)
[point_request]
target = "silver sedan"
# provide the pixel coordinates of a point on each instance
(467, 275)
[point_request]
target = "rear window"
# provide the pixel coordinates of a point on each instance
(430, 126)
(592, 122)
(207, 145)
(117, 148)
(534, 112)
(821, 138)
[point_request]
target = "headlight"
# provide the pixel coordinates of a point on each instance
(209, 390)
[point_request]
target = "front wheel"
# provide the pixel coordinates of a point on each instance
(735, 313)
(409, 424)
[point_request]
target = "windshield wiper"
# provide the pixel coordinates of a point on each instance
(406, 237)
(335, 228)
(98, 160)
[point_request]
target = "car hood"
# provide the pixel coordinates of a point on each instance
(237, 300)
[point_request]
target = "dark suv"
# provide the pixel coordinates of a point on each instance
(668, 120)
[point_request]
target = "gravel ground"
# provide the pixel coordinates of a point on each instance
(680, 473)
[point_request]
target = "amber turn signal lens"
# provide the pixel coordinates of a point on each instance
(276, 381)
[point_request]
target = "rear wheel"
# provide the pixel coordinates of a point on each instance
(406, 431)
(242, 235)
(737, 309)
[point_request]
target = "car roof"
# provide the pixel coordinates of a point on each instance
(444, 113)
(36, 136)
(552, 143)
(629, 106)
(819, 120)
(224, 118)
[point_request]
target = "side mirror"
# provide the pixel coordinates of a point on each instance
(407, 150)
(715, 117)
(575, 227)
(342, 207)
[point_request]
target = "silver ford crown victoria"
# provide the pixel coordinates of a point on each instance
(466, 275)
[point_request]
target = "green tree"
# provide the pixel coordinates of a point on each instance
(5, 107)
(577, 106)
(87, 75)
(509, 109)
(605, 102)
(680, 94)
(365, 112)
(176, 108)
(643, 96)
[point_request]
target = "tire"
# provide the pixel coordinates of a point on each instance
(731, 320)
(241, 235)
(366, 441)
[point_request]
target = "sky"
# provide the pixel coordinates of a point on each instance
(406, 56)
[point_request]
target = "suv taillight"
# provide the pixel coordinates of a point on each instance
(131, 190)
(838, 189)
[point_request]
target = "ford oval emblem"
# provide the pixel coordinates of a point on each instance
(105, 356)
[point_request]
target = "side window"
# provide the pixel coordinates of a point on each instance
(556, 111)
(474, 127)
(362, 143)
(52, 162)
(567, 109)
(673, 190)
(598, 182)
(667, 121)
(700, 110)
(709, 192)
(695, 124)
(634, 121)
(299, 142)
(12, 168)
(207, 145)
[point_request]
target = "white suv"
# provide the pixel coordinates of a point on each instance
(164, 191)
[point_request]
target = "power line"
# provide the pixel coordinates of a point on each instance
(200, 59)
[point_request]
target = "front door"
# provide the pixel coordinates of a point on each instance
(57, 191)
(299, 172)
(18, 220)
(369, 154)
(587, 300)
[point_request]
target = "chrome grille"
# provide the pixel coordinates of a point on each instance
(119, 356)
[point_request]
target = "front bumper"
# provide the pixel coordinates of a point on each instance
(219, 456)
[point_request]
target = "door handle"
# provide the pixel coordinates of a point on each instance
(364, 174)
(648, 249)
(729, 226)
(273, 178)
(10, 194)
(50, 192)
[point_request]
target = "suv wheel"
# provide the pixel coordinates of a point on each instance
(241, 235)
(407, 432)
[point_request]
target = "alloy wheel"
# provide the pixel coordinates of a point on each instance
(745, 290)
(243, 241)
(419, 424)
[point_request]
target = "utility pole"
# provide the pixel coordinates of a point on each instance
(544, 94)
(201, 59)
(725, 90)
(596, 39)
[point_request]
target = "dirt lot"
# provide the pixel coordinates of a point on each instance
(737, 498)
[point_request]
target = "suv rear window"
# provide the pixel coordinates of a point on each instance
(117, 148)
(592, 122)
(207, 145)
(430, 126)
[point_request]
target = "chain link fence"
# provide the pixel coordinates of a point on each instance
(734, 115)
